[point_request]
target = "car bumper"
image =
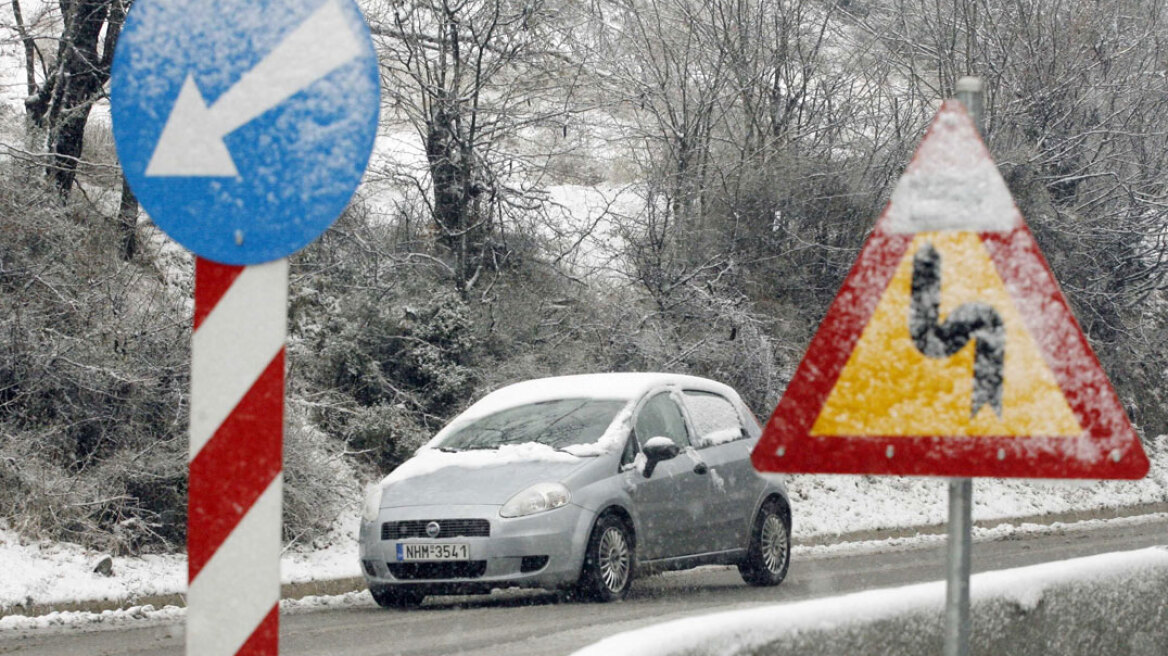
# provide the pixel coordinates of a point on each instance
(545, 550)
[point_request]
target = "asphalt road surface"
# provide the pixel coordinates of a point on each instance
(520, 623)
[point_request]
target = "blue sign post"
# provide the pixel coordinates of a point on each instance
(244, 126)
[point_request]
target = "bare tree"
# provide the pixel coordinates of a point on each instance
(63, 88)
(480, 81)
(61, 104)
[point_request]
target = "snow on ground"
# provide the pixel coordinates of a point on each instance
(737, 631)
(588, 220)
(49, 573)
(979, 534)
(835, 505)
(150, 615)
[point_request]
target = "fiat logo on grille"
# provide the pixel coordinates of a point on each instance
(433, 529)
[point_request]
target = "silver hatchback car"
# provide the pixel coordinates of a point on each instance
(578, 483)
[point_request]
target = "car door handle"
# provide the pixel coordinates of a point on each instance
(701, 468)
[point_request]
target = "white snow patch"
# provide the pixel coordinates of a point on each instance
(740, 630)
(951, 183)
(640, 462)
(42, 572)
(827, 505)
(586, 220)
(429, 460)
(979, 534)
(47, 572)
(135, 614)
(721, 436)
(718, 481)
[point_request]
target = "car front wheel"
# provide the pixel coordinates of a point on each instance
(391, 597)
(608, 562)
(769, 554)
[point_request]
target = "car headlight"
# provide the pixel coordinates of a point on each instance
(372, 506)
(536, 499)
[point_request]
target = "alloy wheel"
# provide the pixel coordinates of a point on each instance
(614, 558)
(774, 543)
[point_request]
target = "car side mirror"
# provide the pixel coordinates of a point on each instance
(658, 449)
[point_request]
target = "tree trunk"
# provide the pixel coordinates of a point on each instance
(81, 83)
(450, 170)
(61, 106)
(128, 221)
(29, 48)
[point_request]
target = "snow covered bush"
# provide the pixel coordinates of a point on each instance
(319, 482)
(91, 383)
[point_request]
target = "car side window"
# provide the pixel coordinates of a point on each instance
(715, 418)
(629, 455)
(660, 416)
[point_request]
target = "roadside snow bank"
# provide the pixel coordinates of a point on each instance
(835, 505)
(1107, 604)
(48, 572)
(43, 573)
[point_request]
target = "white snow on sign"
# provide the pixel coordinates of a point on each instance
(952, 184)
(192, 141)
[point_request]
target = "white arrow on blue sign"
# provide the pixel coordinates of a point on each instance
(244, 126)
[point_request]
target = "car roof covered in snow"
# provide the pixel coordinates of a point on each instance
(619, 386)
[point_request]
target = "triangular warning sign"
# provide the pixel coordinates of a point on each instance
(950, 350)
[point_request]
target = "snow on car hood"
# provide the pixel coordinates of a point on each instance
(487, 476)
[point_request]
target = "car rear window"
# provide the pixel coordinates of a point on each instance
(557, 424)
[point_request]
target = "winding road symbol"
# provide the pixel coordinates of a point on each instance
(192, 144)
(977, 321)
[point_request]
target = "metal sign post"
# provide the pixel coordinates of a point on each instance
(957, 622)
(235, 493)
(957, 590)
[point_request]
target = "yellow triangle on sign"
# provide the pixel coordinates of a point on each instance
(890, 388)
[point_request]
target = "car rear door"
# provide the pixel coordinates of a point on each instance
(724, 443)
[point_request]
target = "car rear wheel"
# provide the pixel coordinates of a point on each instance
(769, 554)
(393, 597)
(608, 562)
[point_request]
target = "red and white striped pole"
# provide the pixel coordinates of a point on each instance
(236, 458)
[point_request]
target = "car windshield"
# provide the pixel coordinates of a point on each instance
(557, 424)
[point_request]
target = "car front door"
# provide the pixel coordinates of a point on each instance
(671, 501)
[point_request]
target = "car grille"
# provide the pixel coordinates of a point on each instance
(438, 571)
(450, 528)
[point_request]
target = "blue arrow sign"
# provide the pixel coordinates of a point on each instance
(244, 126)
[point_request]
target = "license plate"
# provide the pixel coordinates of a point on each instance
(423, 551)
